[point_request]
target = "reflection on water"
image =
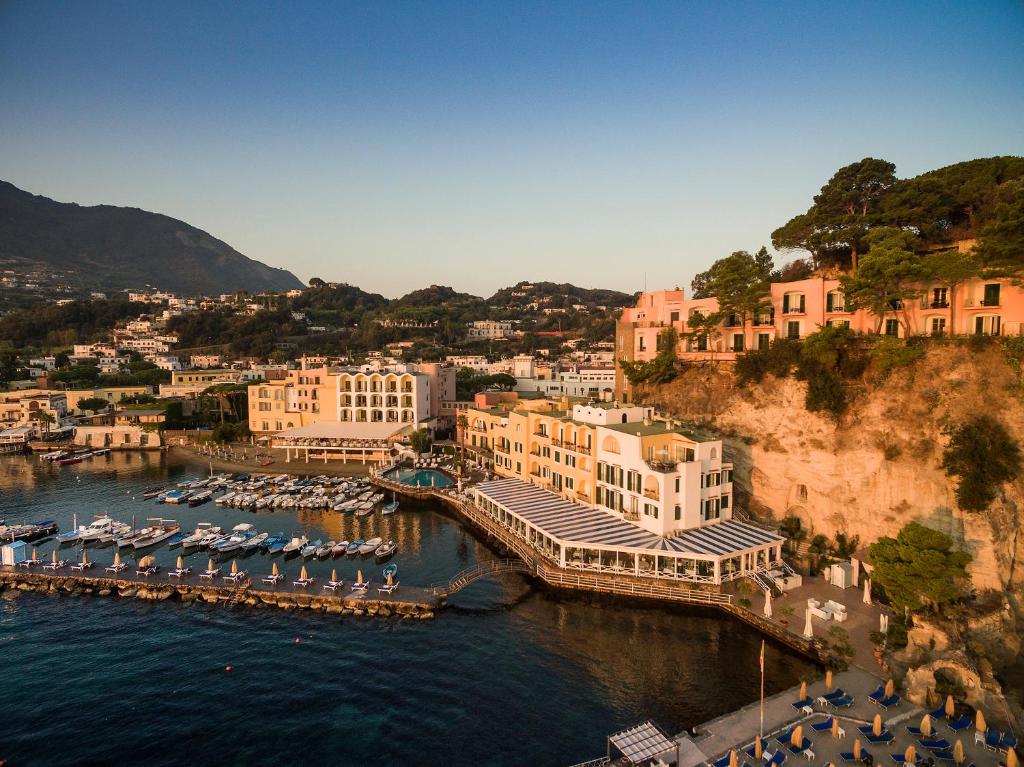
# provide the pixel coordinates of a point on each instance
(542, 680)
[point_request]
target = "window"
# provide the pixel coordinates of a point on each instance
(938, 326)
(834, 302)
(940, 298)
(793, 330)
(763, 341)
(838, 323)
(793, 303)
(737, 342)
(986, 325)
(643, 344)
(892, 327)
(679, 512)
(674, 317)
(991, 295)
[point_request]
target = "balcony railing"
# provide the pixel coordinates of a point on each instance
(652, 494)
(666, 467)
(573, 446)
(939, 305)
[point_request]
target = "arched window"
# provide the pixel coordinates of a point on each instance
(610, 445)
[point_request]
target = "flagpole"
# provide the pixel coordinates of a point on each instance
(761, 734)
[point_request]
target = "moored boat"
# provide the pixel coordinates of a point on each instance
(385, 550)
(369, 546)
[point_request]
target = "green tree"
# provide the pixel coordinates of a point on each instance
(46, 420)
(92, 403)
(982, 455)
(919, 568)
(461, 424)
(661, 369)
(741, 283)
(420, 441)
(833, 230)
(887, 278)
(1001, 249)
(950, 268)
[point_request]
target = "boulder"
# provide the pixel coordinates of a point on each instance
(103, 592)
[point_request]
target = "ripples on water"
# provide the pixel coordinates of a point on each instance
(502, 679)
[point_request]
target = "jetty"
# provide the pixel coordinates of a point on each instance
(245, 593)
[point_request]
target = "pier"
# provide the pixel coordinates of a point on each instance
(246, 593)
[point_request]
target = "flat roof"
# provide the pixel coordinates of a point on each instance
(645, 429)
(346, 430)
(643, 742)
(587, 525)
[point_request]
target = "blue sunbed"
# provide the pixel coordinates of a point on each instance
(1007, 740)
(784, 737)
(804, 745)
(822, 726)
(836, 693)
(945, 755)
(899, 759)
(778, 759)
(962, 723)
(842, 702)
(799, 704)
(892, 700)
(938, 714)
(914, 730)
(723, 762)
(992, 738)
(847, 756)
(885, 737)
(878, 694)
(764, 747)
(934, 744)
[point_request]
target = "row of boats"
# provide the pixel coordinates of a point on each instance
(27, 531)
(68, 457)
(242, 538)
(276, 492)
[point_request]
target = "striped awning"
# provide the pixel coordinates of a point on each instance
(578, 525)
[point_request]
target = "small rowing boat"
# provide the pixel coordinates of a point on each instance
(369, 546)
(385, 550)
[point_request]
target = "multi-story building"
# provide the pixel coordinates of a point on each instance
(189, 383)
(488, 329)
(794, 310)
(477, 362)
(112, 394)
(24, 408)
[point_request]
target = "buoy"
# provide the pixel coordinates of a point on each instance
(297, 640)
(228, 668)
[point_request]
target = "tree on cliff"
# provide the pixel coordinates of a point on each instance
(659, 370)
(888, 277)
(982, 455)
(919, 568)
(741, 284)
(950, 268)
(834, 228)
(1002, 241)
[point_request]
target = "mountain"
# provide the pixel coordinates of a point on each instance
(110, 248)
(558, 294)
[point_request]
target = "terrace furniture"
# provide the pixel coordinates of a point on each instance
(333, 585)
(80, 566)
(892, 700)
(775, 760)
(844, 702)
(55, 565)
(945, 755)
(809, 754)
(388, 588)
(899, 760)
(723, 762)
(878, 694)
(800, 705)
(886, 737)
(145, 572)
(210, 574)
(823, 726)
(836, 610)
(764, 750)
(847, 756)
(939, 714)
(805, 744)
(116, 568)
(960, 723)
(1007, 741)
(304, 582)
(933, 744)
(235, 577)
(179, 572)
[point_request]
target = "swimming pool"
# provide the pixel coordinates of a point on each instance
(420, 477)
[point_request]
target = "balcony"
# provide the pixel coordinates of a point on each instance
(665, 467)
(631, 516)
(651, 494)
(939, 305)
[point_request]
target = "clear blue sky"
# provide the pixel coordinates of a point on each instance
(394, 145)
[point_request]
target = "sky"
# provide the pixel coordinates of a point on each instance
(393, 145)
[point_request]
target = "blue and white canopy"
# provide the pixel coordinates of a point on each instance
(577, 525)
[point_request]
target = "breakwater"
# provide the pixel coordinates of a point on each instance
(158, 591)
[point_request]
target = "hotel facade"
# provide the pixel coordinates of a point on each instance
(794, 310)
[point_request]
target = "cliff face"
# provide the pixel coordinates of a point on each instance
(879, 468)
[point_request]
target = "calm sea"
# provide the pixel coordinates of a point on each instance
(506, 676)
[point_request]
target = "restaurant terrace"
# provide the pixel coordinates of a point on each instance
(344, 441)
(579, 537)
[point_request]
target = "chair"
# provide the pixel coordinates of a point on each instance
(992, 739)
(388, 588)
(823, 726)
(179, 572)
(116, 568)
(145, 572)
(892, 700)
(804, 745)
(961, 723)
(944, 755)
(939, 714)
(878, 694)
(777, 759)
(273, 580)
(333, 585)
(898, 759)
(886, 737)
(836, 693)
(800, 705)
(304, 582)
(56, 565)
(915, 731)
(361, 587)
(235, 577)
(847, 756)
(1007, 741)
(723, 762)
(80, 566)
(209, 575)
(764, 750)
(934, 744)
(844, 702)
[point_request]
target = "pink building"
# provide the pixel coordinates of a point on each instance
(797, 309)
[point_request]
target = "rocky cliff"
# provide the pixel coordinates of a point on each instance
(879, 467)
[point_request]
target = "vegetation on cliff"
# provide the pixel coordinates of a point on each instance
(983, 456)
(919, 568)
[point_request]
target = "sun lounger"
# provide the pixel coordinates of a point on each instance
(784, 737)
(361, 586)
(799, 705)
(886, 738)
(333, 585)
(81, 566)
(27, 563)
(878, 694)
(273, 580)
(892, 700)
(939, 714)
(304, 582)
(914, 730)
(723, 762)
(898, 759)
(836, 693)
(945, 755)
(847, 756)
(777, 759)
(960, 723)
(56, 565)
(116, 568)
(1007, 741)
(799, 749)
(179, 572)
(145, 572)
(235, 577)
(764, 748)
(822, 726)
(388, 589)
(934, 744)
(209, 575)
(992, 738)
(844, 702)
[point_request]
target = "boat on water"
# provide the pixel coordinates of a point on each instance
(338, 550)
(203, 529)
(295, 544)
(68, 460)
(385, 550)
(176, 540)
(365, 509)
(30, 531)
(310, 549)
(176, 496)
(153, 492)
(389, 508)
(133, 535)
(199, 498)
(369, 546)
(163, 531)
(225, 499)
(274, 544)
(53, 456)
(101, 451)
(214, 535)
(390, 569)
(239, 534)
(353, 548)
(325, 551)
(252, 544)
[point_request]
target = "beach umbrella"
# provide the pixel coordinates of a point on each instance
(803, 690)
(979, 722)
(890, 688)
(797, 738)
(359, 576)
(856, 749)
(734, 760)
(808, 628)
(835, 727)
(767, 604)
(273, 570)
(147, 561)
(876, 726)
(117, 558)
(926, 725)
(180, 564)
(867, 591)
(391, 577)
(950, 707)
(334, 576)
(910, 755)
(234, 567)
(53, 556)
(85, 557)
(35, 554)
(209, 564)
(303, 575)
(1011, 758)
(758, 748)
(958, 752)
(828, 680)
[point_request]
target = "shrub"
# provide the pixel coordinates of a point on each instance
(825, 393)
(891, 353)
(982, 455)
(779, 360)
(919, 567)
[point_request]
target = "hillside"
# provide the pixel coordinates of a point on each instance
(109, 248)
(558, 295)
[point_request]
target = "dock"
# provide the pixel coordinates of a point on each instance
(415, 605)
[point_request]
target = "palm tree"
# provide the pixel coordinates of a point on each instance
(462, 423)
(45, 419)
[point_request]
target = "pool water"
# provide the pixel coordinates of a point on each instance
(420, 477)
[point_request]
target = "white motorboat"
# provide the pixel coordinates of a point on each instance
(239, 535)
(295, 544)
(370, 546)
(202, 530)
